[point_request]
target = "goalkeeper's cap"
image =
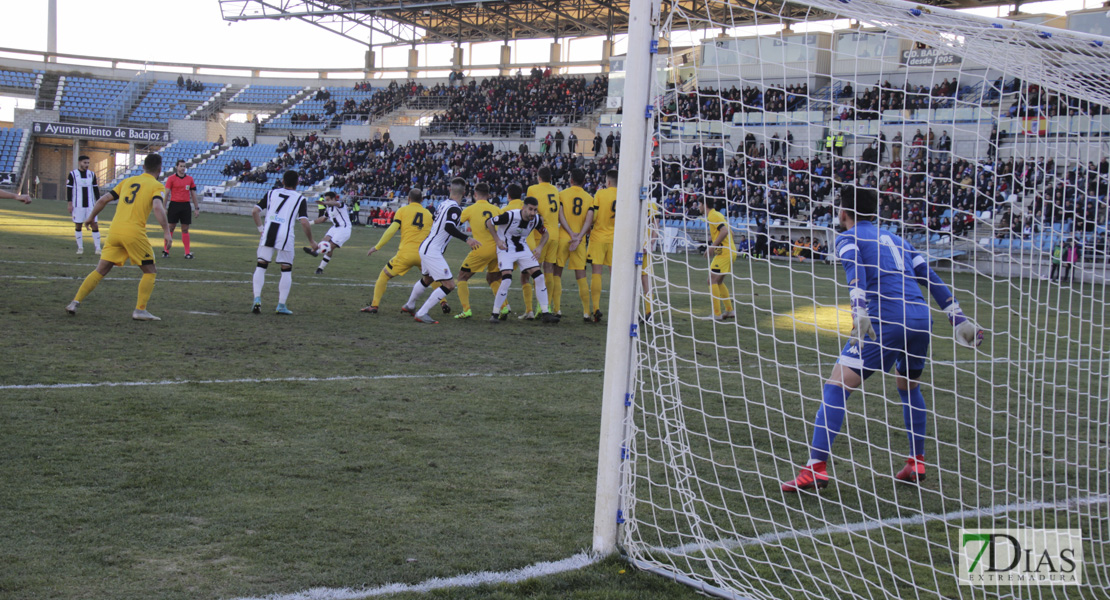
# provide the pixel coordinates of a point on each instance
(862, 203)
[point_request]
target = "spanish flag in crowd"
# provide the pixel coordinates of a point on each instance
(1034, 126)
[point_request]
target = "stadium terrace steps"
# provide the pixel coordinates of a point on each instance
(47, 94)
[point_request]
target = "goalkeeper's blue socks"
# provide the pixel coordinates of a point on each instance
(913, 411)
(830, 418)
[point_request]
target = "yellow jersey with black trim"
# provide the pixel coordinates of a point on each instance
(136, 197)
(416, 222)
(605, 213)
(717, 221)
(476, 214)
(548, 197)
(576, 204)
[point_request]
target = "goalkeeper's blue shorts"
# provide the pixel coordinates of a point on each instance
(903, 346)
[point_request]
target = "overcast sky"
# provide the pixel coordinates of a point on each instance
(194, 31)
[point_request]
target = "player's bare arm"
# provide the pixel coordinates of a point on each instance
(256, 213)
(538, 252)
(716, 244)
(306, 225)
(194, 197)
(581, 236)
(496, 238)
(160, 215)
(24, 198)
(99, 206)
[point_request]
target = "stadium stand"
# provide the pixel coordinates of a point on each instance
(179, 150)
(264, 94)
(21, 80)
(87, 98)
(11, 141)
(211, 171)
(166, 101)
(321, 110)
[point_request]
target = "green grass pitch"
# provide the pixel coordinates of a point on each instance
(270, 455)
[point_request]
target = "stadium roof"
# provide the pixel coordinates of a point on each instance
(403, 22)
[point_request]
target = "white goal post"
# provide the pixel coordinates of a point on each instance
(985, 142)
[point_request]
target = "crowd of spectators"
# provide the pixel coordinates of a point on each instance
(379, 169)
(720, 105)
(932, 191)
(515, 105)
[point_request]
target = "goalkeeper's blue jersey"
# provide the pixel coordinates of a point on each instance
(884, 265)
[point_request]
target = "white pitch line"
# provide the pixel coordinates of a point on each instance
(63, 386)
(578, 561)
(582, 560)
(922, 519)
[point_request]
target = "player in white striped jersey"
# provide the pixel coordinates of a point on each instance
(510, 230)
(335, 213)
(433, 265)
(83, 191)
(283, 206)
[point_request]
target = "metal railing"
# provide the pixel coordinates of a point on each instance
(119, 108)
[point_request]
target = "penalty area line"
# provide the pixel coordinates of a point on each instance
(541, 569)
(64, 386)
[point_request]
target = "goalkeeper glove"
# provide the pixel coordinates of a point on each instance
(861, 321)
(968, 333)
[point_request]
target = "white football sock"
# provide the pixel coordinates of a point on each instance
(324, 262)
(432, 301)
(259, 280)
(284, 285)
(417, 291)
(502, 295)
(80, 238)
(540, 287)
(96, 240)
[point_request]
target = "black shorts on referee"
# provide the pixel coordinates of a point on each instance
(180, 212)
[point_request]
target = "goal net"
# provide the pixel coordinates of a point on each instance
(985, 140)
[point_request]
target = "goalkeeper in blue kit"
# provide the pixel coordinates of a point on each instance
(890, 328)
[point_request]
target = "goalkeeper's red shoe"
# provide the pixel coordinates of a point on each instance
(813, 476)
(914, 471)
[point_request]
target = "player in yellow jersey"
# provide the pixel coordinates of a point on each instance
(576, 215)
(414, 221)
(515, 193)
(548, 197)
(138, 196)
(720, 252)
(600, 251)
(485, 257)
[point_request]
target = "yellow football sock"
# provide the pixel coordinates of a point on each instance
(555, 293)
(595, 291)
(527, 296)
(494, 286)
(713, 290)
(146, 287)
(584, 295)
(88, 285)
(726, 298)
(379, 288)
(464, 294)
